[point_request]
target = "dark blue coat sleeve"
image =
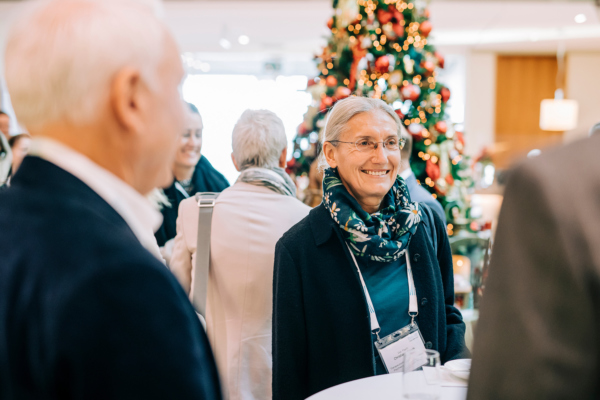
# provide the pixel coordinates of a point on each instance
(128, 333)
(290, 363)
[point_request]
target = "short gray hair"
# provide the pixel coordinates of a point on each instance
(343, 111)
(258, 139)
(59, 63)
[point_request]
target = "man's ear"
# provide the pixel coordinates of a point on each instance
(283, 158)
(329, 153)
(128, 95)
(234, 163)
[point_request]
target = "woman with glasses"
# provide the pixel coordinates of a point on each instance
(368, 272)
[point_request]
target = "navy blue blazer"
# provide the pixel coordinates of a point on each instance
(422, 195)
(321, 328)
(85, 311)
(206, 179)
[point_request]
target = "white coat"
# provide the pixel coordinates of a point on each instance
(247, 222)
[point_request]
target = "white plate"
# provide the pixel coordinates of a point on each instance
(459, 368)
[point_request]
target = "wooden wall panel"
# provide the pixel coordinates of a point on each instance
(522, 83)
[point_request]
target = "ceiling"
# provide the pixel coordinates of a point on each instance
(288, 33)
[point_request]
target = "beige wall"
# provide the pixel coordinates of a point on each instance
(480, 107)
(583, 85)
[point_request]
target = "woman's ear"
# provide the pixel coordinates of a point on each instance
(234, 163)
(329, 153)
(283, 158)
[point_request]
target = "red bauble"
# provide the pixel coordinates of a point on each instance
(400, 115)
(411, 92)
(441, 127)
(425, 28)
(382, 64)
(428, 66)
(445, 93)
(331, 81)
(432, 170)
(398, 30)
(384, 16)
(449, 179)
(326, 103)
(330, 23)
(440, 58)
(302, 129)
(342, 92)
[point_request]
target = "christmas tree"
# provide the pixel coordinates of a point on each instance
(380, 49)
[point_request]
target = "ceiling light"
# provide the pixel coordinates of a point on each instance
(226, 44)
(580, 18)
(244, 40)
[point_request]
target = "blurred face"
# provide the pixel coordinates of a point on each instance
(367, 175)
(20, 150)
(4, 123)
(164, 120)
(190, 143)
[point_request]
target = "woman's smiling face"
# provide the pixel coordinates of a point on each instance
(188, 151)
(368, 176)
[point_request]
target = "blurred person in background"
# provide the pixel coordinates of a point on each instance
(193, 173)
(417, 192)
(538, 336)
(248, 219)
(86, 310)
(367, 224)
(5, 151)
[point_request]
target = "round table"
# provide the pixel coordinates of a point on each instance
(380, 387)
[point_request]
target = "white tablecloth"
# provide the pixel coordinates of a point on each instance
(382, 387)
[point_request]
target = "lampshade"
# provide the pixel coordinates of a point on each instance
(558, 115)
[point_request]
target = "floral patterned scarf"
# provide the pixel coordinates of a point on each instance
(382, 236)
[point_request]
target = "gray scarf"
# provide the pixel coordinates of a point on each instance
(275, 179)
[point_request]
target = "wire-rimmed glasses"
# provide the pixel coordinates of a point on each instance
(365, 144)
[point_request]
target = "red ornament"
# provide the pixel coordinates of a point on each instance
(342, 92)
(440, 58)
(330, 23)
(445, 93)
(428, 66)
(449, 179)
(400, 115)
(384, 16)
(302, 129)
(411, 92)
(432, 170)
(398, 30)
(425, 28)
(382, 64)
(331, 81)
(441, 126)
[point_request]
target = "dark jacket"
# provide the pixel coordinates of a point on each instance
(85, 311)
(539, 332)
(321, 330)
(206, 179)
(422, 195)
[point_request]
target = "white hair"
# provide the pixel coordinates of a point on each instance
(258, 139)
(62, 54)
(343, 111)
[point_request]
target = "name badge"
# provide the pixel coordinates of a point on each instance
(396, 347)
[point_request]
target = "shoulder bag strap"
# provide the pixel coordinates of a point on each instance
(206, 204)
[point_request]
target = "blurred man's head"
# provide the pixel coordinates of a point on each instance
(406, 151)
(102, 77)
(4, 123)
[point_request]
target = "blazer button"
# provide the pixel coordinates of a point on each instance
(429, 345)
(423, 302)
(416, 257)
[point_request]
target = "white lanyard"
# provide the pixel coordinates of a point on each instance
(181, 189)
(413, 307)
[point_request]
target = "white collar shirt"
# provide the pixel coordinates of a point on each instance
(406, 173)
(135, 209)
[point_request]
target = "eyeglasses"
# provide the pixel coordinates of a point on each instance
(364, 145)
